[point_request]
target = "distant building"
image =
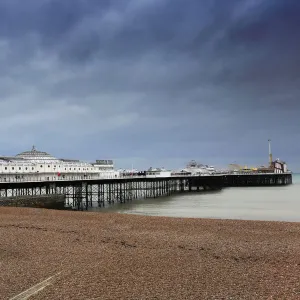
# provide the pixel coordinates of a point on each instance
(197, 169)
(279, 166)
(158, 172)
(36, 165)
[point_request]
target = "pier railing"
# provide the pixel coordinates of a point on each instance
(80, 178)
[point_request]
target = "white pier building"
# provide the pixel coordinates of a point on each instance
(36, 165)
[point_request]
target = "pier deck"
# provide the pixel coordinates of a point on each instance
(82, 194)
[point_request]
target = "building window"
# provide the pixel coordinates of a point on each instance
(41, 166)
(19, 168)
(48, 166)
(12, 168)
(32, 168)
(5, 168)
(74, 168)
(26, 168)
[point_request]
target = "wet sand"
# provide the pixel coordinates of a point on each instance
(115, 256)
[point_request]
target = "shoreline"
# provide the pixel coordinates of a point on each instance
(185, 218)
(126, 256)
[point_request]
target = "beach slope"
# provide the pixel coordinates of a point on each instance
(83, 255)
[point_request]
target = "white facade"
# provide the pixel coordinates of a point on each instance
(158, 172)
(198, 169)
(279, 166)
(35, 165)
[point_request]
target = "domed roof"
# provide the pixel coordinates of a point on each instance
(34, 154)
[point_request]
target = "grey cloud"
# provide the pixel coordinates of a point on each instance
(150, 80)
(263, 45)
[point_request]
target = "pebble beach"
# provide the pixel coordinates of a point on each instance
(121, 256)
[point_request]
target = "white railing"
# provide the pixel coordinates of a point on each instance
(52, 179)
(79, 178)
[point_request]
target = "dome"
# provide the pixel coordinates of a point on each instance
(36, 155)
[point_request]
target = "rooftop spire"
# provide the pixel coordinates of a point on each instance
(270, 153)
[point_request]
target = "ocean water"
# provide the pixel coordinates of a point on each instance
(280, 203)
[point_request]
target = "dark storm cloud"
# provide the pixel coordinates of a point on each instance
(51, 19)
(264, 45)
(151, 81)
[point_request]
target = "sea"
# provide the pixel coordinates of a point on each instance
(279, 203)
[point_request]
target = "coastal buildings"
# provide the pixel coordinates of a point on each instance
(158, 172)
(151, 172)
(277, 167)
(34, 165)
(195, 169)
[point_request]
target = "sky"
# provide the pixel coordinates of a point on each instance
(151, 82)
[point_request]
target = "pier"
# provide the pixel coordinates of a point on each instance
(82, 194)
(269, 179)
